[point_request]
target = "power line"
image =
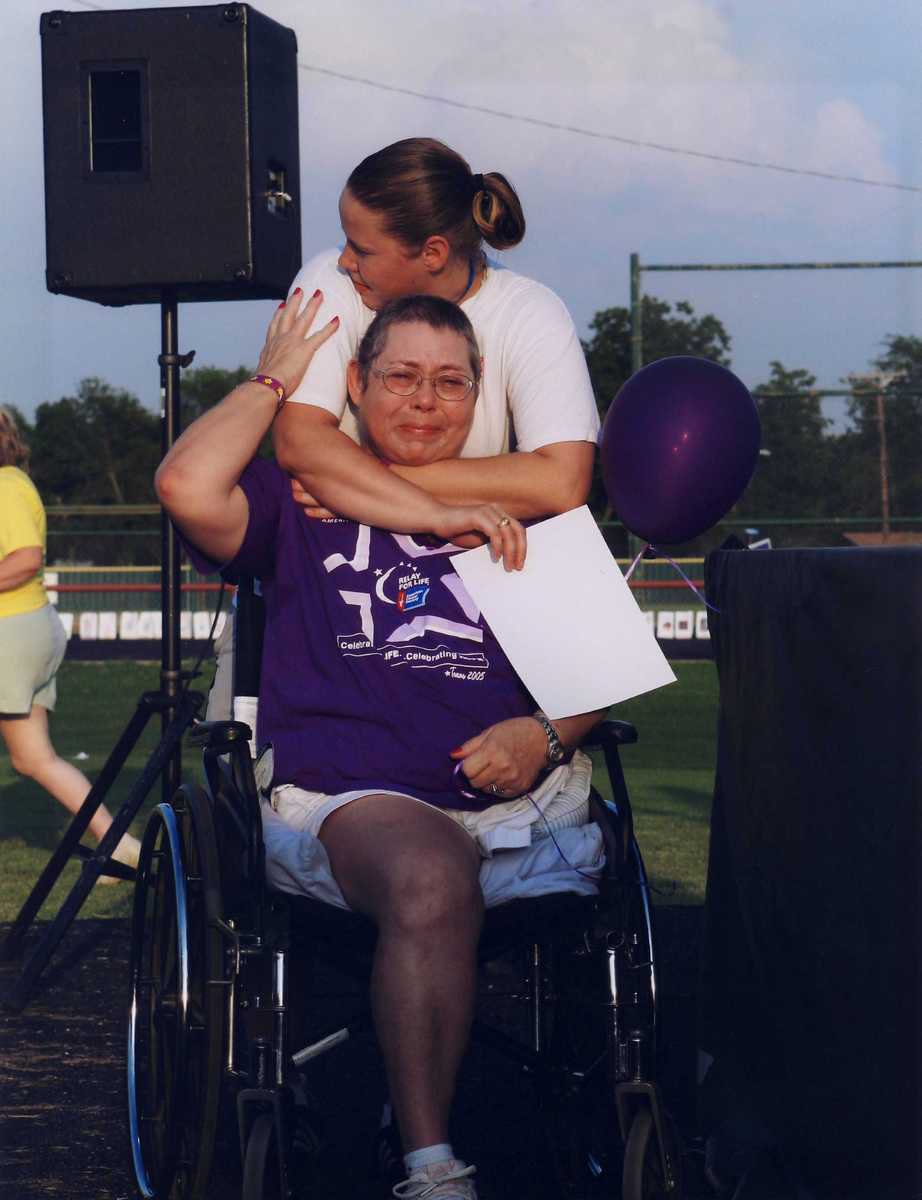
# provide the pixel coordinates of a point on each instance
(610, 137)
(560, 127)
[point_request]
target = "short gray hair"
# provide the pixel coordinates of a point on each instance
(411, 310)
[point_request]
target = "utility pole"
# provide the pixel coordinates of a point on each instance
(884, 466)
(879, 381)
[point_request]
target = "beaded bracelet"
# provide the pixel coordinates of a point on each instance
(269, 382)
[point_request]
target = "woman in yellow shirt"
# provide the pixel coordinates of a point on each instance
(33, 641)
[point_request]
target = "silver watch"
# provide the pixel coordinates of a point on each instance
(555, 750)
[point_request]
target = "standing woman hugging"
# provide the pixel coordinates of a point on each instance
(415, 218)
(32, 643)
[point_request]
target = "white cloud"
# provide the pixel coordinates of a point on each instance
(661, 71)
(667, 71)
(844, 140)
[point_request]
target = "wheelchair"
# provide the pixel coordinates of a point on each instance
(214, 952)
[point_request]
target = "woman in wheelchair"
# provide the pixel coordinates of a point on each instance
(401, 736)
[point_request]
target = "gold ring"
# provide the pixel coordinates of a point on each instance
(504, 521)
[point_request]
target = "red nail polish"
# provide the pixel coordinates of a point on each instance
(283, 303)
(334, 321)
(296, 292)
(316, 294)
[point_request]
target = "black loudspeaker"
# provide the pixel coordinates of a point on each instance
(171, 154)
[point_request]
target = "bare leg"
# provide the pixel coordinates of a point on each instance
(415, 873)
(33, 755)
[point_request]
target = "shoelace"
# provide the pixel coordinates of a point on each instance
(419, 1187)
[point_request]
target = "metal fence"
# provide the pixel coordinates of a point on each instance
(115, 611)
(106, 605)
(77, 589)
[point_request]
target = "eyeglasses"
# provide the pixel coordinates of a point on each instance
(401, 381)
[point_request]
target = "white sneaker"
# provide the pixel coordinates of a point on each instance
(127, 852)
(446, 1180)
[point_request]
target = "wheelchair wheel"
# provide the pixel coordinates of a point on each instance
(644, 1178)
(176, 1019)
(582, 1144)
(261, 1174)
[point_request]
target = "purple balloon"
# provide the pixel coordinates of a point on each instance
(679, 444)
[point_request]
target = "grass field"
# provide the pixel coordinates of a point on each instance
(669, 774)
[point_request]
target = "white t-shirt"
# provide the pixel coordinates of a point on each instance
(534, 371)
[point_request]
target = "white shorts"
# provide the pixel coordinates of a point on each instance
(32, 647)
(561, 801)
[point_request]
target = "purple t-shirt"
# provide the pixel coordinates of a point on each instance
(376, 661)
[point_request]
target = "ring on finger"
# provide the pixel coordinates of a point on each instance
(494, 789)
(503, 522)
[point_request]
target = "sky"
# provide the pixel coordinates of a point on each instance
(828, 87)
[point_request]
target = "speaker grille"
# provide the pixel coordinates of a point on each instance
(163, 132)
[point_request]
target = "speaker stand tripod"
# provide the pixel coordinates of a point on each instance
(178, 709)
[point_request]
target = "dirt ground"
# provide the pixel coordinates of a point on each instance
(63, 1126)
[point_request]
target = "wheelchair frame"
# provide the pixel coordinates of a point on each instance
(210, 1004)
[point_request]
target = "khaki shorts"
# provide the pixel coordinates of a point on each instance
(220, 706)
(32, 647)
(559, 802)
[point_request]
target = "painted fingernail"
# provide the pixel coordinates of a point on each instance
(316, 294)
(296, 292)
(334, 320)
(283, 303)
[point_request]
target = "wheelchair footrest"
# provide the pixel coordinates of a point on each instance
(331, 1040)
(315, 1049)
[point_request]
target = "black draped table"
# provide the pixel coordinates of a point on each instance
(810, 1000)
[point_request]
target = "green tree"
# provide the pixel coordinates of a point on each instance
(202, 388)
(794, 477)
(667, 330)
(98, 447)
(897, 375)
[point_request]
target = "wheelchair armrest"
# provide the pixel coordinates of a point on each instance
(615, 817)
(215, 734)
(616, 834)
(616, 733)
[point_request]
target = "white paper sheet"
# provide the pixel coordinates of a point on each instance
(568, 622)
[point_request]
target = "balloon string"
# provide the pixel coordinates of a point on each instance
(673, 563)
(630, 571)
